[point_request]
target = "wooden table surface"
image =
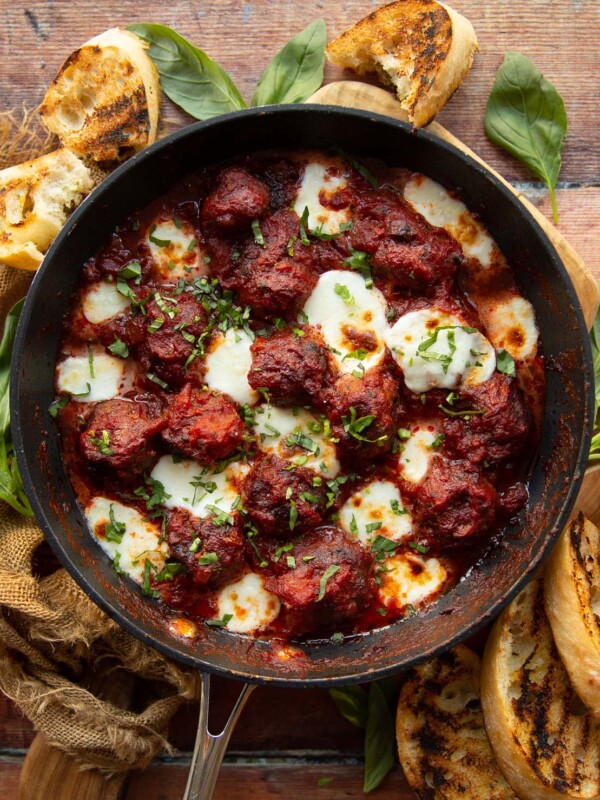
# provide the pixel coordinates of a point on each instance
(286, 740)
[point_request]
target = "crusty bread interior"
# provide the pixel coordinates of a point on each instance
(545, 740)
(35, 199)
(422, 48)
(104, 102)
(442, 744)
(572, 597)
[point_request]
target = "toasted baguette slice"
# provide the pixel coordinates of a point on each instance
(103, 104)
(442, 743)
(35, 198)
(422, 48)
(546, 742)
(572, 597)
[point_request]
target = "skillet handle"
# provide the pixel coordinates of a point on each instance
(210, 748)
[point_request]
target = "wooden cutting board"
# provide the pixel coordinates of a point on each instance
(353, 94)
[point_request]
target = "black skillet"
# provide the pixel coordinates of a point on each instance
(557, 468)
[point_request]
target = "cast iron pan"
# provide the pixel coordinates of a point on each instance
(557, 470)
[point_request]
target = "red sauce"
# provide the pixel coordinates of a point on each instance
(259, 266)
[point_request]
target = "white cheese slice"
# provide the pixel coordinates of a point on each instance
(417, 452)
(343, 309)
(250, 605)
(436, 350)
(228, 364)
(141, 539)
(102, 302)
(103, 375)
(439, 208)
(318, 183)
(175, 250)
(510, 324)
(376, 510)
(410, 579)
(274, 425)
(198, 489)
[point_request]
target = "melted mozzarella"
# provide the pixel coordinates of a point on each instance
(178, 255)
(417, 453)
(140, 542)
(510, 324)
(197, 489)
(410, 579)
(350, 318)
(454, 357)
(318, 183)
(250, 605)
(439, 208)
(110, 376)
(228, 364)
(274, 425)
(102, 302)
(376, 510)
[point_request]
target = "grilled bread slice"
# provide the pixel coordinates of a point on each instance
(546, 742)
(572, 597)
(422, 48)
(442, 743)
(103, 104)
(35, 199)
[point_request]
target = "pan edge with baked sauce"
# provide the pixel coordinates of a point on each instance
(566, 428)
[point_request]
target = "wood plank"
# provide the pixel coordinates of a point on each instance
(39, 35)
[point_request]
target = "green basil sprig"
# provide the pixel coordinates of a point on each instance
(188, 76)
(198, 85)
(296, 71)
(526, 116)
(372, 710)
(11, 485)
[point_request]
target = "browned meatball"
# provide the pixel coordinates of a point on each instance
(213, 553)
(204, 425)
(281, 501)
(454, 503)
(119, 434)
(500, 432)
(364, 414)
(279, 290)
(332, 581)
(172, 321)
(403, 246)
(238, 199)
(291, 367)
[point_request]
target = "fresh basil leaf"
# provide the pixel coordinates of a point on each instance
(526, 116)
(6, 346)
(380, 737)
(296, 71)
(188, 77)
(505, 363)
(353, 704)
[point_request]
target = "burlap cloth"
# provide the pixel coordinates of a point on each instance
(51, 634)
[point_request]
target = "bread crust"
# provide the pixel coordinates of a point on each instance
(571, 585)
(35, 199)
(546, 743)
(442, 744)
(423, 48)
(104, 102)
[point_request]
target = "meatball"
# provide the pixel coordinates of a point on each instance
(172, 322)
(292, 368)
(351, 400)
(202, 424)
(496, 435)
(119, 434)
(455, 503)
(109, 261)
(332, 582)
(403, 246)
(281, 501)
(212, 552)
(237, 199)
(279, 290)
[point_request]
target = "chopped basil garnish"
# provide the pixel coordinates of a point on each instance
(329, 573)
(207, 559)
(219, 623)
(119, 348)
(156, 241)
(505, 363)
(114, 531)
(131, 270)
(258, 237)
